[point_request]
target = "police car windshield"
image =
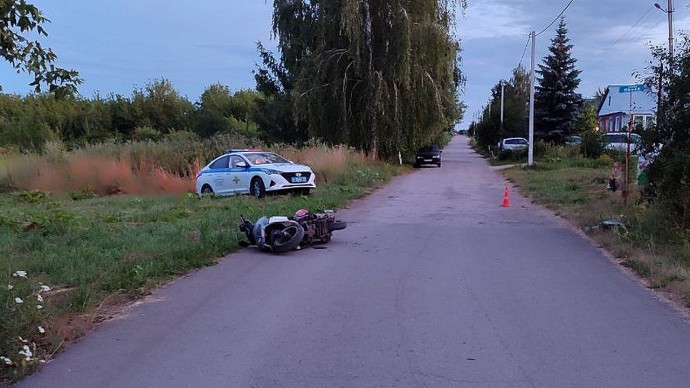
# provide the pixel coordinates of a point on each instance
(265, 158)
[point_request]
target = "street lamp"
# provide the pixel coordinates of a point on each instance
(669, 12)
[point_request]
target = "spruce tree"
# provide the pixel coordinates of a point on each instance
(557, 105)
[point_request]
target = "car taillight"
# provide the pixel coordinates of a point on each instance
(198, 174)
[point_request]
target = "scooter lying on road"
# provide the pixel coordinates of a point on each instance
(281, 234)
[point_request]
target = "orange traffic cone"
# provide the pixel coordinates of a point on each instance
(506, 199)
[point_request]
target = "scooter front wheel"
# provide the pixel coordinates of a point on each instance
(287, 238)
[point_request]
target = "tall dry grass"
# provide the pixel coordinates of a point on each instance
(328, 163)
(149, 167)
(104, 175)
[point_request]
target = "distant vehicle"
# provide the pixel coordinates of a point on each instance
(513, 144)
(573, 140)
(428, 155)
(618, 141)
(255, 172)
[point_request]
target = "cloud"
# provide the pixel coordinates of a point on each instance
(492, 19)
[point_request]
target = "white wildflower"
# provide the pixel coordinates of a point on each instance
(23, 340)
(6, 360)
(19, 274)
(9, 286)
(26, 352)
(40, 298)
(41, 330)
(38, 306)
(18, 300)
(44, 288)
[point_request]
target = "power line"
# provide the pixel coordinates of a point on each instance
(651, 7)
(557, 17)
(644, 17)
(524, 51)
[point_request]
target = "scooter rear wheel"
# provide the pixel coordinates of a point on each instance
(336, 225)
(286, 239)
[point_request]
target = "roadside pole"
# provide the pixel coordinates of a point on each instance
(627, 156)
(629, 89)
(530, 146)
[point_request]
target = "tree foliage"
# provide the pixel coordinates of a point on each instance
(20, 21)
(557, 105)
(156, 111)
(669, 174)
(515, 111)
(382, 76)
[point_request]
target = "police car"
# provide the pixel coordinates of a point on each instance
(255, 172)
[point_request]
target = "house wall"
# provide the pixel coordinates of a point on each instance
(617, 122)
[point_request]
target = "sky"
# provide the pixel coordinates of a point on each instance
(118, 46)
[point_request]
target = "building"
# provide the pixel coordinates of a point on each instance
(617, 105)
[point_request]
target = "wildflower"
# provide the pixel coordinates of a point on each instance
(26, 352)
(40, 298)
(23, 340)
(38, 306)
(18, 300)
(41, 330)
(19, 274)
(44, 288)
(6, 360)
(9, 286)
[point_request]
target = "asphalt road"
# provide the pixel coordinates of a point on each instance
(432, 284)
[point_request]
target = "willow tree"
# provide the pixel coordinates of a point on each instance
(382, 76)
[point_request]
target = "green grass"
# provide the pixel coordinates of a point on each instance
(94, 248)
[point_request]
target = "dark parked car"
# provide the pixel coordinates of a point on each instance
(428, 155)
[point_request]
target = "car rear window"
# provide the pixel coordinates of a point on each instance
(621, 138)
(516, 141)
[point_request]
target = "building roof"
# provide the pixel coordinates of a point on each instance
(643, 102)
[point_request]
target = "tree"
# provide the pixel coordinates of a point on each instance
(18, 21)
(669, 173)
(161, 107)
(293, 26)
(380, 76)
(515, 110)
(557, 105)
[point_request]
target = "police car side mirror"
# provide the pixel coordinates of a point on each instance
(241, 165)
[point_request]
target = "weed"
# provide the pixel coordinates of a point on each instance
(33, 196)
(85, 193)
(638, 267)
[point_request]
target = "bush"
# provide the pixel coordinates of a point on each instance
(516, 155)
(592, 145)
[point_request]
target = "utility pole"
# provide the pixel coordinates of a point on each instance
(530, 148)
(669, 12)
(502, 93)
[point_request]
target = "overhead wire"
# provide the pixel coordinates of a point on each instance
(625, 35)
(557, 17)
(529, 37)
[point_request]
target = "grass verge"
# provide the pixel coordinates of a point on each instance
(641, 237)
(68, 262)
